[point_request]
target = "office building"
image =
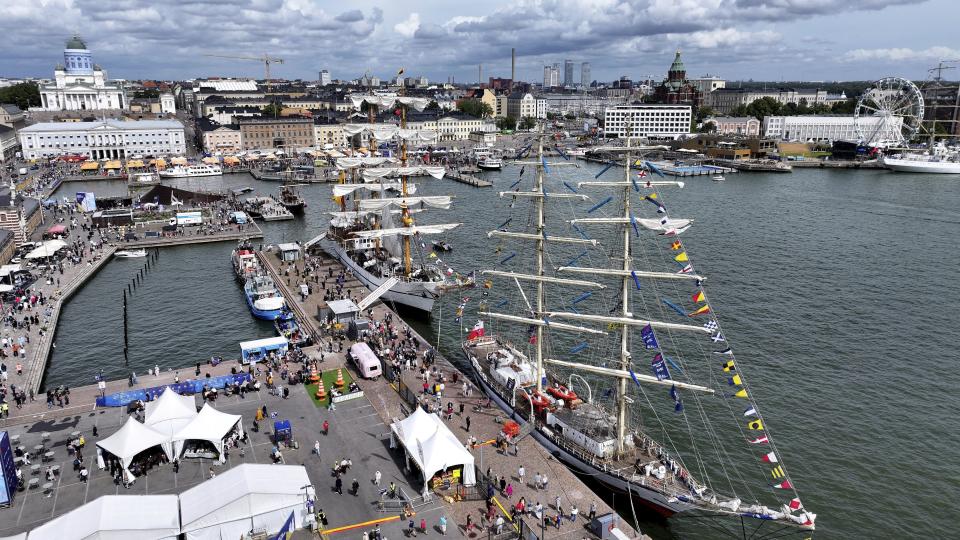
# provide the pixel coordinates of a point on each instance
(647, 120)
(287, 133)
(830, 128)
(735, 125)
(107, 139)
(325, 78)
(568, 73)
(551, 77)
(724, 100)
(585, 79)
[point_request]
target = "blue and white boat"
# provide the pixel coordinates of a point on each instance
(264, 300)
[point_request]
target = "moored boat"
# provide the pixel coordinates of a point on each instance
(130, 253)
(192, 171)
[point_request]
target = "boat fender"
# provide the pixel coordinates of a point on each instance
(661, 472)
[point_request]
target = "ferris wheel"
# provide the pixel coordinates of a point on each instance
(889, 113)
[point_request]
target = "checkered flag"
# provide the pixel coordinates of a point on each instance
(711, 325)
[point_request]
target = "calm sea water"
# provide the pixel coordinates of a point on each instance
(838, 290)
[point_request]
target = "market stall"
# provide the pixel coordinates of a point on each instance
(258, 349)
(433, 448)
(207, 434)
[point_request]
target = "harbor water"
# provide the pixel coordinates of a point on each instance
(837, 289)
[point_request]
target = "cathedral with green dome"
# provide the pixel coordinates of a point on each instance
(676, 89)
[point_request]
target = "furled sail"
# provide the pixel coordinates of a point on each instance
(407, 231)
(434, 201)
(354, 162)
(374, 175)
(340, 190)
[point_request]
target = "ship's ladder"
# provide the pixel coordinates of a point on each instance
(377, 293)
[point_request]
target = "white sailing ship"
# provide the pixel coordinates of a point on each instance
(603, 435)
(364, 234)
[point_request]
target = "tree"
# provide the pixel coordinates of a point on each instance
(708, 127)
(703, 113)
(505, 123)
(273, 109)
(475, 107)
(147, 94)
(528, 122)
(844, 107)
(23, 95)
(432, 106)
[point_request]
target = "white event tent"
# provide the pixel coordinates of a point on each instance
(243, 498)
(210, 425)
(130, 440)
(47, 249)
(168, 414)
(432, 446)
(120, 517)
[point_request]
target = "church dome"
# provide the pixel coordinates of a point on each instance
(76, 42)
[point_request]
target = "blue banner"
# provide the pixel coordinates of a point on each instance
(8, 471)
(649, 338)
(659, 367)
(122, 399)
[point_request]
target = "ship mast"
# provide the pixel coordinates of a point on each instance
(538, 188)
(625, 312)
(405, 216)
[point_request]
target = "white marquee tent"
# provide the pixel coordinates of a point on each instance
(168, 414)
(245, 497)
(116, 517)
(210, 425)
(46, 249)
(432, 446)
(129, 441)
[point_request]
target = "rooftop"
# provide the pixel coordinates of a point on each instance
(50, 127)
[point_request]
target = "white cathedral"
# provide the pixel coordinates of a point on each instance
(81, 84)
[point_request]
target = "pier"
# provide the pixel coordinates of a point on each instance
(470, 180)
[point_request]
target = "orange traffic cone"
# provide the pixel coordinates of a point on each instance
(339, 381)
(321, 393)
(314, 376)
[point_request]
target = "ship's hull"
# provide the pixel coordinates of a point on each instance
(263, 314)
(295, 207)
(410, 294)
(918, 166)
(657, 501)
(190, 174)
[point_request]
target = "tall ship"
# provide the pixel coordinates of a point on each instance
(290, 198)
(374, 233)
(608, 365)
(191, 171)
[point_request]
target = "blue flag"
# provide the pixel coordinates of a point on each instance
(287, 529)
(649, 338)
(659, 367)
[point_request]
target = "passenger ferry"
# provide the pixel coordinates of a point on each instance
(192, 171)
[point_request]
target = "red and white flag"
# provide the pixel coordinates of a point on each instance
(770, 457)
(760, 440)
(784, 485)
(476, 332)
(795, 504)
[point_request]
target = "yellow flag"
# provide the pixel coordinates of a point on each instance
(777, 472)
(741, 394)
(735, 380)
(432, 256)
(682, 257)
(756, 425)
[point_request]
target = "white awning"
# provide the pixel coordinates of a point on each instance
(46, 249)
(432, 446)
(210, 425)
(132, 439)
(168, 414)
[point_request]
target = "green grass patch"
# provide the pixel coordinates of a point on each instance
(329, 377)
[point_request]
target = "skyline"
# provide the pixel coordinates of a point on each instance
(821, 40)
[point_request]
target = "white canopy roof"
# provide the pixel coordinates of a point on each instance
(170, 412)
(120, 517)
(210, 425)
(132, 439)
(245, 496)
(46, 249)
(432, 445)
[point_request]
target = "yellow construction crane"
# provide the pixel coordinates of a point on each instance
(266, 59)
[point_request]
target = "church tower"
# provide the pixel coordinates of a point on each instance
(77, 59)
(677, 72)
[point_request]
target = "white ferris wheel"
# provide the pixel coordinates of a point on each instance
(889, 113)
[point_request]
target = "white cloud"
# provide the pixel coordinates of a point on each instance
(900, 54)
(725, 37)
(408, 27)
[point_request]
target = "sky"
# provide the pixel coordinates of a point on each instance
(771, 40)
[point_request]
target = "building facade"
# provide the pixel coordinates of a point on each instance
(9, 143)
(676, 88)
(325, 133)
(224, 138)
(168, 105)
(21, 216)
(568, 73)
(113, 139)
(325, 78)
(724, 100)
(829, 128)
(585, 79)
(708, 83)
(647, 120)
(456, 126)
(735, 125)
(551, 76)
(281, 133)
(79, 84)
(526, 105)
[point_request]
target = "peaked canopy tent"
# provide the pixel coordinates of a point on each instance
(245, 497)
(47, 249)
(168, 414)
(126, 517)
(210, 426)
(432, 446)
(129, 441)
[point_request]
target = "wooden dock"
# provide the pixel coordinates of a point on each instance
(470, 180)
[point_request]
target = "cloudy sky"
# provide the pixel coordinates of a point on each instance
(735, 39)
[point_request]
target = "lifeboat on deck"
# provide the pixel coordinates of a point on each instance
(560, 391)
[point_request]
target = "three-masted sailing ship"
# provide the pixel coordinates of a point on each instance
(376, 236)
(604, 436)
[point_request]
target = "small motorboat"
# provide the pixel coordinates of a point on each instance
(130, 253)
(440, 245)
(243, 190)
(718, 178)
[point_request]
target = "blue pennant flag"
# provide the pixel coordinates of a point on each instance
(508, 257)
(579, 347)
(573, 261)
(502, 303)
(677, 404)
(675, 307)
(605, 169)
(599, 204)
(546, 167)
(659, 367)
(504, 224)
(633, 221)
(636, 279)
(649, 338)
(582, 297)
(571, 188)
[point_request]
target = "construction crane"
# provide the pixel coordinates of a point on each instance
(266, 59)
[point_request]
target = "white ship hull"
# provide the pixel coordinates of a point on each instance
(192, 172)
(921, 166)
(413, 294)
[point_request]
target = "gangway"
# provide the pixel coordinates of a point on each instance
(377, 293)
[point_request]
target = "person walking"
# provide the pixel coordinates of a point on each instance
(326, 427)
(338, 486)
(355, 485)
(593, 511)
(443, 524)
(521, 472)
(468, 424)
(376, 478)
(316, 448)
